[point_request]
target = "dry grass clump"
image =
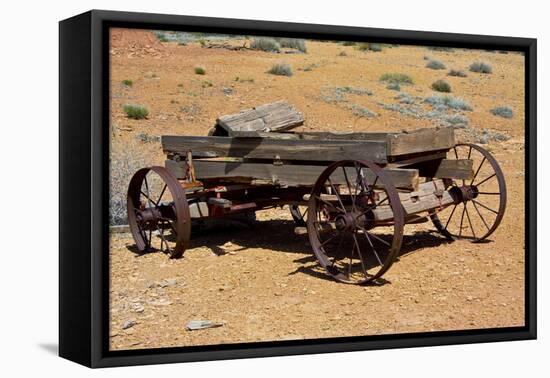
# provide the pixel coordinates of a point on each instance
(399, 78)
(265, 44)
(457, 73)
(503, 111)
(448, 102)
(365, 46)
(441, 86)
(481, 67)
(435, 65)
(281, 69)
(293, 43)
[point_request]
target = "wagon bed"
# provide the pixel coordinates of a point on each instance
(352, 183)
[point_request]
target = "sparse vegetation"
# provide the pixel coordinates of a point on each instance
(244, 79)
(441, 86)
(127, 83)
(441, 48)
(293, 43)
(146, 138)
(207, 84)
(339, 94)
(448, 102)
(503, 111)
(200, 71)
(343, 53)
(435, 65)
(398, 78)
(481, 67)
(458, 121)
(365, 46)
(136, 111)
(457, 73)
(265, 44)
(281, 69)
(393, 86)
(361, 112)
(310, 67)
(349, 43)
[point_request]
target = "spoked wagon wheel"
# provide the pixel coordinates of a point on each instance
(299, 214)
(158, 213)
(483, 198)
(343, 228)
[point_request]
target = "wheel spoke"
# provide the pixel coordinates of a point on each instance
(337, 195)
(450, 216)
(329, 239)
(330, 204)
(161, 194)
(469, 221)
(485, 207)
(147, 189)
(461, 220)
(481, 216)
(349, 189)
(360, 254)
(489, 193)
(149, 199)
(373, 249)
(478, 169)
(487, 179)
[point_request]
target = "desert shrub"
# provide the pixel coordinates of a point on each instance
(440, 48)
(503, 111)
(365, 46)
(309, 67)
(393, 86)
(265, 44)
(200, 71)
(127, 83)
(146, 138)
(207, 84)
(435, 65)
(281, 69)
(349, 43)
(362, 112)
(457, 73)
(441, 86)
(162, 37)
(481, 67)
(398, 78)
(135, 111)
(293, 43)
(446, 102)
(343, 53)
(458, 121)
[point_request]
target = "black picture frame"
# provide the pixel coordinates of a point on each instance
(83, 228)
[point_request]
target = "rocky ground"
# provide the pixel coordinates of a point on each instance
(263, 283)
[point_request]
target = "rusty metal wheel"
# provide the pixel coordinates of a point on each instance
(158, 213)
(299, 214)
(484, 201)
(348, 241)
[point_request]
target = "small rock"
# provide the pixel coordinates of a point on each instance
(128, 324)
(168, 282)
(469, 298)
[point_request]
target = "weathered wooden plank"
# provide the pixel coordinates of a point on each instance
(455, 169)
(321, 135)
(261, 148)
(277, 116)
(299, 175)
(290, 175)
(422, 140)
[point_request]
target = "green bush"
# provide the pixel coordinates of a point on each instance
(127, 82)
(265, 44)
(293, 43)
(398, 78)
(481, 67)
(200, 71)
(435, 65)
(135, 111)
(457, 73)
(281, 69)
(503, 111)
(441, 86)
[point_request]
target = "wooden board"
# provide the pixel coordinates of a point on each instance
(455, 169)
(422, 140)
(262, 148)
(285, 175)
(277, 116)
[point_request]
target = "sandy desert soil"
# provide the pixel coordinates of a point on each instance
(262, 282)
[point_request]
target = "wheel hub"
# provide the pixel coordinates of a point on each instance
(345, 222)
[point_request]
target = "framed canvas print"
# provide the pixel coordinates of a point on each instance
(234, 188)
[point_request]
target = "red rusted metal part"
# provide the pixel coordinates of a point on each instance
(149, 216)
(350, 217)
(472, 196)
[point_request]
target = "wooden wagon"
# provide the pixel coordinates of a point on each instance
(352, 193)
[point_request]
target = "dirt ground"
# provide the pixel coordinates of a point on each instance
(262, 283)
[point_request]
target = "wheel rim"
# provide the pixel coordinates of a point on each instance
(344, 236)
(476, 218)
(158, 213)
